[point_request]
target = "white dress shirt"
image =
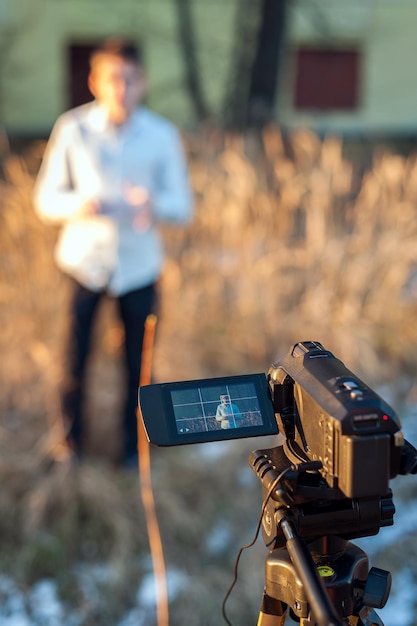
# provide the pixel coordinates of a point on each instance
(88, 158)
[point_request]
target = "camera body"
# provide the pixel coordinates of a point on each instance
(334, 417)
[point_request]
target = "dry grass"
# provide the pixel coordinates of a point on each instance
(289, 242)
(293, 244)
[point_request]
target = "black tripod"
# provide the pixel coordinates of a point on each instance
(312, 569)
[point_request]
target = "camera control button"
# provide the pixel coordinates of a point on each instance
(350, 385)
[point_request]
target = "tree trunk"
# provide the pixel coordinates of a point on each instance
(235, 108)
(189, 51)
(264, 74)
(259, 31)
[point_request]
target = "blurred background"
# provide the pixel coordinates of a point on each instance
(299, 119)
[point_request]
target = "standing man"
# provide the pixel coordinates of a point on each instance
(227, 413)
(111, 171)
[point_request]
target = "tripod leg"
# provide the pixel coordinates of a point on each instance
(270, 620)
(272, 612)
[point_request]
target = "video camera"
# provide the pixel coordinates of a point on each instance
(324, 411)
(328, 482)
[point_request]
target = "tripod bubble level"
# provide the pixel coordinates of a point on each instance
(325, 571)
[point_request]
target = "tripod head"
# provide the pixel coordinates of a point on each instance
(328, 483)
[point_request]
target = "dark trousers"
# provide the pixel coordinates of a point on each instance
(134, 307)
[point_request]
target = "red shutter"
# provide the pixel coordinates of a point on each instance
(327, 79)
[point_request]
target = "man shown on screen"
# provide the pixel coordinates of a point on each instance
(227, 413)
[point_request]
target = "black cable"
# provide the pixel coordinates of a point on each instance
(249, 545)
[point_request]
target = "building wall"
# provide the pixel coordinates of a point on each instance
(35, 34)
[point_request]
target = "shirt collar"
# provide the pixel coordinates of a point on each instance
(99, 120)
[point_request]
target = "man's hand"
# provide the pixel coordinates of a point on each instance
(139, 201)
(90, 208)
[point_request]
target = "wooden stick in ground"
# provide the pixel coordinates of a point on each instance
(145, 481)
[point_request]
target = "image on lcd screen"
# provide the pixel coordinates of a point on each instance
(217, 407)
